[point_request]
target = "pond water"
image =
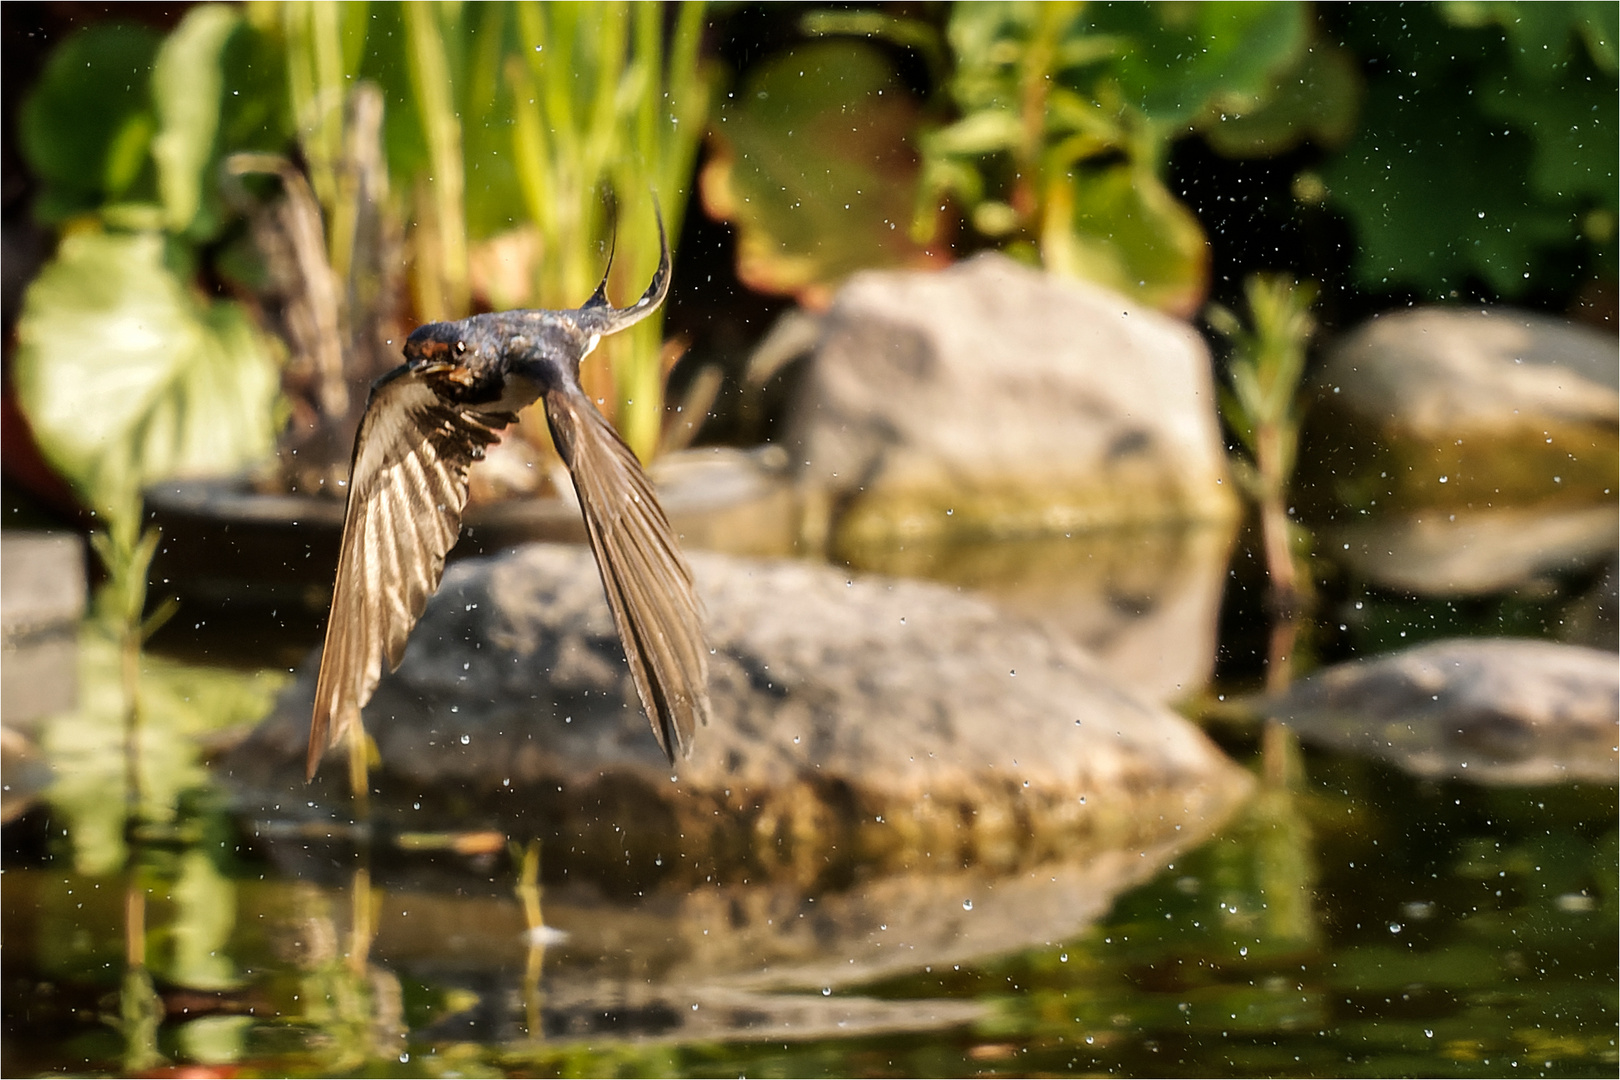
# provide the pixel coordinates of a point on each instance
(1349, 919)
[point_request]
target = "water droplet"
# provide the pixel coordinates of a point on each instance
(465, 739)
(967, 905)
(1243, 951)
(826, 991)
(1063, 958)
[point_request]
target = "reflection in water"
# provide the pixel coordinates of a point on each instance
(140, 1011)
(1348, 910)
(1144, 600)
(1350, 918)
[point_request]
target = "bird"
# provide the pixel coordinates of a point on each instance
(425, 425)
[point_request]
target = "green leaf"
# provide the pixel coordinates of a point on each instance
(1467, 168)
(86, 128)
(814, 163)
(1316, 98)
(186, 84)
(1184, 55)
(126, 378)
(983, 132)
(1575, 139)
(1119, 226)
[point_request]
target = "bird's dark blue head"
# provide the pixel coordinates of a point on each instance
(436, 343)
(471, 350)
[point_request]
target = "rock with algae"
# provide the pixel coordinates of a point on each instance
(856, 722)
(1466, 408)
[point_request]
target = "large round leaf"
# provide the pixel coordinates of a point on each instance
(812, 160)
(86, 127)
(126, 378)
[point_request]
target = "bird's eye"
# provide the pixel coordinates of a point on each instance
(461, 347)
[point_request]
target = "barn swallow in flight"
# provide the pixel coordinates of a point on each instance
(425, 425)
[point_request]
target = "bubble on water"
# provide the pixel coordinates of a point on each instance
(465, 739)
(967, 905)
(826, 991)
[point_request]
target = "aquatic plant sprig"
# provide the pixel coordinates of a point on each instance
(1261, 405)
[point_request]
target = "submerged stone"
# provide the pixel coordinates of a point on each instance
(1491, 710)
(856, 722)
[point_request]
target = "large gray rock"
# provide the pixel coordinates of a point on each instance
(1492, 710)
(1468, 406)
(856, 721)
(993, 399)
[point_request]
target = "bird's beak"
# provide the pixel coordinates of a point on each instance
(601, 318)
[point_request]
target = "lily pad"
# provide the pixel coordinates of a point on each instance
(813, 161)
(128, 378)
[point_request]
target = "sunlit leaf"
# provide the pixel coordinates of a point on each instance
(1119, 226)
(813, 161)
(127, 378)
(186, 86)
(981, 132)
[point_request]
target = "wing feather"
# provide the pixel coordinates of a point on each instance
(648, 584)
(407, 489)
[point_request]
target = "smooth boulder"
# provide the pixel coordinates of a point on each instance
(856, 721)
(991, 399)
(1491, 710)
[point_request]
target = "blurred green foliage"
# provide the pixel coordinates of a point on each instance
(1049, 136)
(501, 120)
(128, 377)
(1488, 147)
(126, 372)
(518, 136)
(811, 158)
(1467, 144)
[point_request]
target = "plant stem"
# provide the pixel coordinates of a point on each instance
(443, 279)
(1274, 534)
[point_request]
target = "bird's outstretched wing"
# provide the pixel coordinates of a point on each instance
(649, 586)
(407, 489)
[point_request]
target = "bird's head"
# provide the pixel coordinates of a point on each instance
(439, 345)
